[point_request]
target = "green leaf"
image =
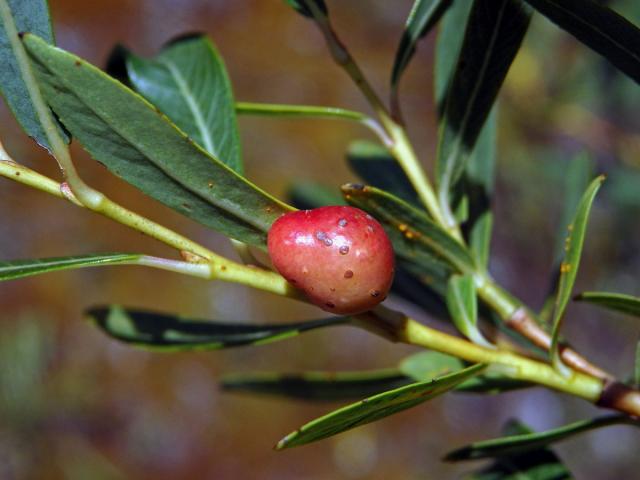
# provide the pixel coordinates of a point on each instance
(598, 27)
(613, 301)
(376, 166)
(571, 262)
(163, 332)
(21, 16)
(302, 7)
(188, 82)
(478, 183)
(317, 385)
(577, 175)
(374, 408)
(125, 133)
(448, 46)
(525, 442)
(309, 195)
(414, 235)
(462, 302)
(428, 365)
(539, 464)
(492, 39)
(424, 15)
(26, 268)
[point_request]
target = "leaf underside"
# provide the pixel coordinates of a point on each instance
(165, 332)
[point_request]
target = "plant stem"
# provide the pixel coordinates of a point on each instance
(214, 266)
(398, 327)
(399, 144)
(308, 111)
(517, 317)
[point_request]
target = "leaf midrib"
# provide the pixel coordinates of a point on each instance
(189, 97)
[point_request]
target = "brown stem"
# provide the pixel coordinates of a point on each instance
(523, 323)
(618, 396)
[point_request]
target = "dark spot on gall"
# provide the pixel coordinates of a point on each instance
(348, 274)
(344, 249)
(78, 63)
(330, 305)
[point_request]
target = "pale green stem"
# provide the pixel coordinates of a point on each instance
(308, 111)
(213, 266)
(515, 366)
(399, 144)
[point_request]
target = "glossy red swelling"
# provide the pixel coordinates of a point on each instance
(339, 256)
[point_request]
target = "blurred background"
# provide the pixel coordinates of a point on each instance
(74, 404)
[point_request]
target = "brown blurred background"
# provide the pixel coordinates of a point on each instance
(76, 405)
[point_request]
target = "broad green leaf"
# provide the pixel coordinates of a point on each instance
(571, 262)
(374, 408)
(302, 6)
(188, 82)
(294, 111)
(424, 366)
(317, 385)
(376, 166)
(414, 235)
(598, 27)
(613, 301)
(26, 268)
(164, 332)
(134, 141)
(462, 302)
(525, 442)
(539, 464)
(22, 16)
(424, 15)
(309, 195)
(449, 42)
(492, 39)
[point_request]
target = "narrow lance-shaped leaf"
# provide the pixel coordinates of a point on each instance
(22, 16)
(571, 262)
(598, 27)
(412, 232)
(165, 332)
(577, 176)
(525, 442)
(494, 33)
(613, 301)
(449, 42)
(374, 408)
(376, 166)
(462, 302)
(478, 183)
(188, 82)
(424, 366)
(424, 15)
(317, 385)
(26, 268)
(125, 133)
(538, 464)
